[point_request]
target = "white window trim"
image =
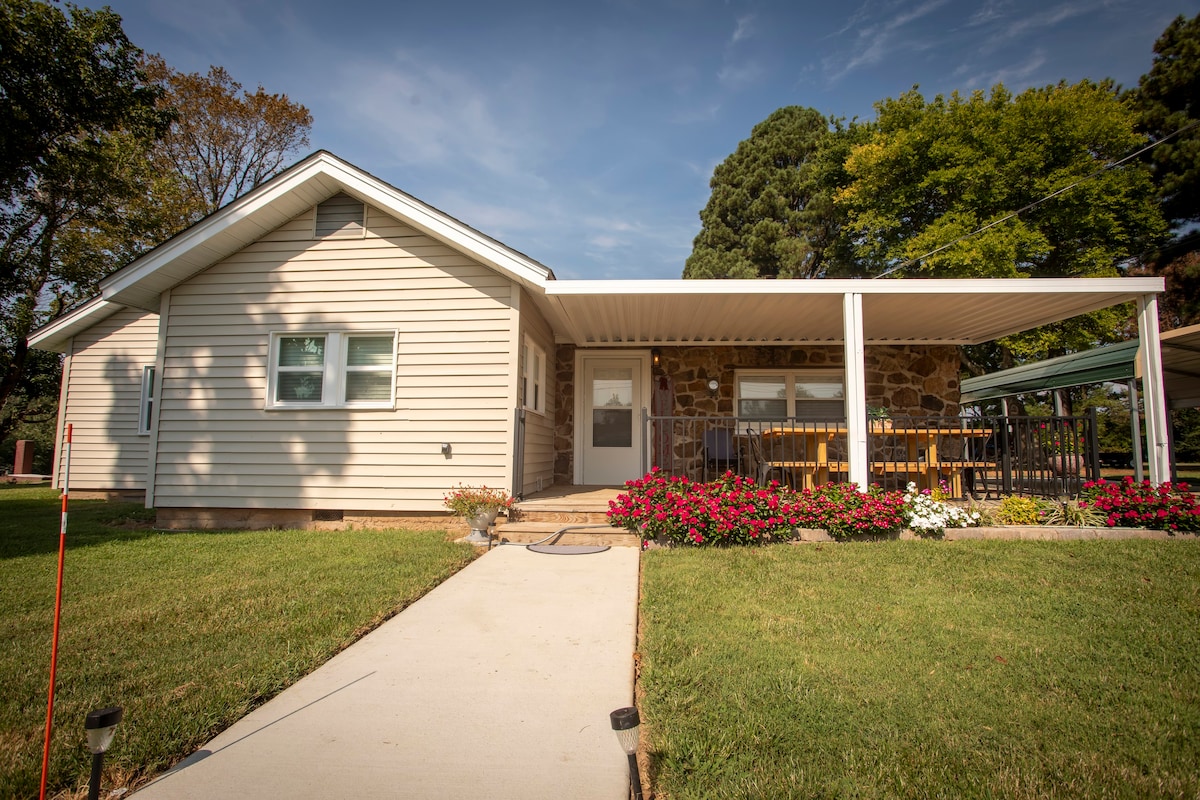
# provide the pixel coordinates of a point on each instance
(146, 403)
(538, 406)
(335, 369)
(790, 375)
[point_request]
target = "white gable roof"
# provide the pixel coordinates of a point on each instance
(266, 207)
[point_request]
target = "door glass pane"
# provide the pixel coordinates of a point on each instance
(612, 388)
(612, 407)
(612, 427)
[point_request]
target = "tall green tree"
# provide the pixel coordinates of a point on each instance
(771, 213)
(956, 187)
(1167, 101)
(76, 115)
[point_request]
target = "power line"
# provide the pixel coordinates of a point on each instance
(1036, 203)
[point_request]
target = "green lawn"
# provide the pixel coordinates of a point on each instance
(186, 631)
(923, 669)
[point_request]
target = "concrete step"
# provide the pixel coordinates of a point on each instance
(530, 532)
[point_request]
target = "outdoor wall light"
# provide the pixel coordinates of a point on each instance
(101, 726)
(656, 357)
(446, 449)
(626, 722)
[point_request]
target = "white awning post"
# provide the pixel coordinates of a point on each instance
(1153, 394)
(856, 388)
(1135, 425)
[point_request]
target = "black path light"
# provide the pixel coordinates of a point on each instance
(626, 722)
(101, 726)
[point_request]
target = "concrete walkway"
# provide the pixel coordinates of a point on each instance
(497, 684)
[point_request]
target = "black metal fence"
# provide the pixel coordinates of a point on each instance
(977, 457)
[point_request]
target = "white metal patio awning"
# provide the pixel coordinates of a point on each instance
(622, 313)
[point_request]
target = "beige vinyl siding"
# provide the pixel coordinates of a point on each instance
(539, 428)
(102, 387)
(219, 447)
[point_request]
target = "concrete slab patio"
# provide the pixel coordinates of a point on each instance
(497, 684)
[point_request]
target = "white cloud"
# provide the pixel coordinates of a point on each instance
(1011, 76)
(877, 42)
(744, 29)
(739, 76)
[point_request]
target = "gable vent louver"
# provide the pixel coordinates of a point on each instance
(341, 216)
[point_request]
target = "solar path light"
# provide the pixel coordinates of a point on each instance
(101, 726)
(625, 721)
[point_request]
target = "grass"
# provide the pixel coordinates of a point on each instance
(186, 631)
(923, 669)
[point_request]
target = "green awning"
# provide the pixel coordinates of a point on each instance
(1112, 363)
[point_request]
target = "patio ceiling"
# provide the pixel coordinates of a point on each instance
(911, 311)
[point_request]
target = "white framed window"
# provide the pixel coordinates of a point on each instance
(332, 369)
(807, 394)
(533, 377)
(146, 407)
(340, 217)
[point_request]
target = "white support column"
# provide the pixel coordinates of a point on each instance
(1153, 394)
(856, 388)
(1135, 430)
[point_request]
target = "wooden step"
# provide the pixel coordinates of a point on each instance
(530, 532)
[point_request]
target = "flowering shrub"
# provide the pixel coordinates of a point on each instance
(467, 501)
(732, 510)
(928, 514)
(843, 511)
(1015, 510)
(1143, 505)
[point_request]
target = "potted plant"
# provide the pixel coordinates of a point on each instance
(880, 418)
(479, 506)
(1062, 450)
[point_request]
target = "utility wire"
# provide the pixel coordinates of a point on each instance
(1035, 203)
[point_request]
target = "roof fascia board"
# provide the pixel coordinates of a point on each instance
(54, 335)
(1131, 287)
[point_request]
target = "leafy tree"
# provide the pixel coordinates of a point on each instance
(76, 112)
(935, 172)
(771, 212)
(1167, 100)
(224, 140)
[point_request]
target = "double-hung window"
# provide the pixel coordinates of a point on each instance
(332, 369)
(814, 395)
(533, 377)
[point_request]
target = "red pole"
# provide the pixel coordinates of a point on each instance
(62, 549)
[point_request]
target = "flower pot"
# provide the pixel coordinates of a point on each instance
(1066, 464)
(480, 522)
(880, 425)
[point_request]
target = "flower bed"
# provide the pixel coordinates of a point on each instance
(734, 510)
(1169, 507)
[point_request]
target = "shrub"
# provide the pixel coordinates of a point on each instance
(1170, 507)
(1074, 512)
(927, 513)
(732, 510)
(1021, 511)
(844, 511)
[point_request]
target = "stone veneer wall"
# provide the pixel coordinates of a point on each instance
(911, 380)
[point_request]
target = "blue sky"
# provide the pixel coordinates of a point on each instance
(584, 135)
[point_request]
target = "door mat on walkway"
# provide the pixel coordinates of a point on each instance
(567, 549)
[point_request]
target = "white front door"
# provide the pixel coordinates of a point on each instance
(612, 398)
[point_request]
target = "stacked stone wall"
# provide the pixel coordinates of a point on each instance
(910, 380)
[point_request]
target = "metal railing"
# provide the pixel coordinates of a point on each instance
(979, 457)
